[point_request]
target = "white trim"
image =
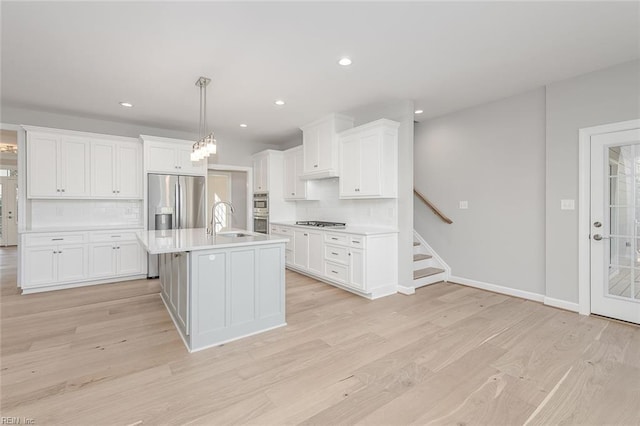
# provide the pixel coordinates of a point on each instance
(436, 257)
(584, 209)
(562, 304)
(408, 291)
(222, 342)
(91, 135)
(536, 297)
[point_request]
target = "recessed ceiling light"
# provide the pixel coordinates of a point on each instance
(279, 102)
(345, 62)
(126, 104)
(243, 125)
(419, 111)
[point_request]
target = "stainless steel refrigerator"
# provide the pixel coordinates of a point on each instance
(175, 202)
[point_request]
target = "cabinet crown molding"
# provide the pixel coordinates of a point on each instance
(149, 138)
(336, 117)
(89, 135)
(383, 122)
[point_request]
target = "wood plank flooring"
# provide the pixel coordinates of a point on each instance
(109, 355)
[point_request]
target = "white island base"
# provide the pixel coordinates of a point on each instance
(233, 290)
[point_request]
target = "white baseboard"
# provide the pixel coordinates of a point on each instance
(498, 289)
(406, 290)
(562, 304)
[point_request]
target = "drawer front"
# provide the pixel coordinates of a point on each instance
(357, 241)
(32, 240)
(285, 231)
(102, 236)
(336, 254)
(336, 238)
(275, 229)
(336, 272)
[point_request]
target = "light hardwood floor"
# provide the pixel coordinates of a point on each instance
(447, 355)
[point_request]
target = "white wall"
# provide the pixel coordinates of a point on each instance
(493, 157)
(606, 96)
(231, 152)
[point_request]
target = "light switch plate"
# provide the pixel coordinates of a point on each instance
(567, 204)
(464, 205)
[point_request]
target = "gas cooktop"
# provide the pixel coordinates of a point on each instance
(320, 224)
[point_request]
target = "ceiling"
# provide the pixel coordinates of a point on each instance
(84, 58)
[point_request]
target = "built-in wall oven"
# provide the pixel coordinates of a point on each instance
(261, 212)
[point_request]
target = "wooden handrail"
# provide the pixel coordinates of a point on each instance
(432, 207)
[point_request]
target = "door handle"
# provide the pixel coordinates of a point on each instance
(599, 237)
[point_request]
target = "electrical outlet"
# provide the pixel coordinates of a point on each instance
(567, 204)
(464, 205)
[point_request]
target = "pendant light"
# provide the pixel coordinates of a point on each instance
(206, 145)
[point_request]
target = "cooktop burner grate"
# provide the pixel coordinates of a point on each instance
(321, 224)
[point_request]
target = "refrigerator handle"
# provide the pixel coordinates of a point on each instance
(177, 206)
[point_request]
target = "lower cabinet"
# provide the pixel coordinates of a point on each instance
(69, 259)
(364, 264)
(54, 264)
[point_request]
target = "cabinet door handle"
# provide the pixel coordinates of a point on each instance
(113, 248)
(57, 239)
(293, 193)
(113, 192)
(349, 253)
(59, 251)
(315, 165)
(57, 190)
(306, 235)
(334, 238)
(63, 190)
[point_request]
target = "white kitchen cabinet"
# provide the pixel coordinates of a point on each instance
(296, 188)
(70, 259)
(115, 258)
(58, 166)
(165, 155)
(261, 172)
(369, 160)
(301, 248)
(316, 247)
(54, 264)
(116, 170)
(320, 149)
(285, 232)
(365, 264)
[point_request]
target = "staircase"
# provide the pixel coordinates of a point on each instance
(428, 267)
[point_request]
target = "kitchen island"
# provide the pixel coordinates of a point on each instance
(219, 288)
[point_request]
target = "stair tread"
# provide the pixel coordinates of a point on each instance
(415, 243)
(421, 256)
(421, 273)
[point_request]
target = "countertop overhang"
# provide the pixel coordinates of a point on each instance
(360, 230)
(192, 239)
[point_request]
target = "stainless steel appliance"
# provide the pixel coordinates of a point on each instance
(321, 224)
(261, 212)
(175, 202)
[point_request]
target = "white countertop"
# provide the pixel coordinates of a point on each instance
(81, 228)
(359, 230)
(192, 239)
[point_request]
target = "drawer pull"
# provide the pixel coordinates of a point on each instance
(334, 238)
(334, 253)
(115, 236)
(355, 242)
(57, 239)
(335, 272)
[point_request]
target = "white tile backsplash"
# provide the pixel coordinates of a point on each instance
(73, 213)
(370, 212)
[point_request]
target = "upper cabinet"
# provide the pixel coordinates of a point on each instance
(260, 163)
(116, 169)
(164, 155)
(369, 160)
(67, 164)
(320, 146)
(58, 166)
(296, 188)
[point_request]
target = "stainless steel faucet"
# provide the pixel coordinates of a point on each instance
(214, 220)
